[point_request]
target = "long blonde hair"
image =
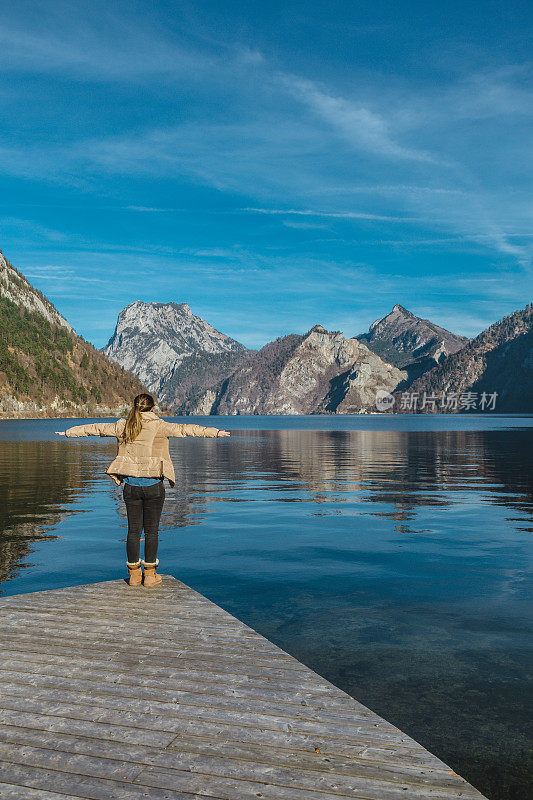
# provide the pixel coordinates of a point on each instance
(134, 422)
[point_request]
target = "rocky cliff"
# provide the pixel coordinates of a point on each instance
(316, 372)
(173, 352)
(499, 360)
(45, 368)
(410, 342)
(15, 287)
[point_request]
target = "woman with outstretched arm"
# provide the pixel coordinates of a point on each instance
(142, 462)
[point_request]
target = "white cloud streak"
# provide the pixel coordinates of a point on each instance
(330, 214)
(96, 44)
(274, 137)
(361, 127)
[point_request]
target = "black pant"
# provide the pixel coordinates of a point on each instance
(144, 505)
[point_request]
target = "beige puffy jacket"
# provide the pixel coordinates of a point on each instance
(148, 455)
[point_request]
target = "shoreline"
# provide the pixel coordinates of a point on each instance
(168, 413)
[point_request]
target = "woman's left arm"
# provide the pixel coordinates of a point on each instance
(180, 430)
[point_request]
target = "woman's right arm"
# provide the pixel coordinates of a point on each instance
(95, 429)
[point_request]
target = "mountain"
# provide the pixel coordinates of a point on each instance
(197, 374)
(499, 359)
(319, 371)
(175, 353)
(45, 368)
(16, 288)
(410, 342)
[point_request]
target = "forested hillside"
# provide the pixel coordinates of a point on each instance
(45, 368)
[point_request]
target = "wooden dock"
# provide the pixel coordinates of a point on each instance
(110, 691)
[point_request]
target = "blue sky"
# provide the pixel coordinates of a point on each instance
(272, 164)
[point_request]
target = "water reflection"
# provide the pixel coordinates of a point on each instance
(37, 484)
(394, 562)
(403, 471)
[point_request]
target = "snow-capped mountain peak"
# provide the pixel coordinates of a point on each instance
(152, 339)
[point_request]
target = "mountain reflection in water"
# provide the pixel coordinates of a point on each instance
(393, 562)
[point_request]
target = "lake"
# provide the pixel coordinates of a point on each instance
(390, 554)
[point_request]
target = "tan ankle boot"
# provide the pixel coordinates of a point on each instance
(136, 573)
(151, 578)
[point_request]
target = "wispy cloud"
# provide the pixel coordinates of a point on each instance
(303, 226)
(18, 227)
(328, 214)
(55, 273)
(362, 127)
(147, 209)
(101, 46)
(282, 155)
(408, 174)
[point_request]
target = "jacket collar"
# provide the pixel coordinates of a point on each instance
(149, 415)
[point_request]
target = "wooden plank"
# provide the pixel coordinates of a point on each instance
(177, 671)
(79, 786)
(244, 789)
(194, 745)
(143, 642)
(205, 707)
(228, 772)
(177, 680)
(129, 611)
(223, 665)
(209, 722)
(239, 713)
(233, 736)
(178, 626)
(79, 764)
(35, 666)
(9, 791)
(85, 727)
(70, 610)
(117, 689)
(207, 651)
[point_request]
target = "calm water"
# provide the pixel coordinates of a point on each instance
(391, 555)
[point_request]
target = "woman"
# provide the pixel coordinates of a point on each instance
(142, 462)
